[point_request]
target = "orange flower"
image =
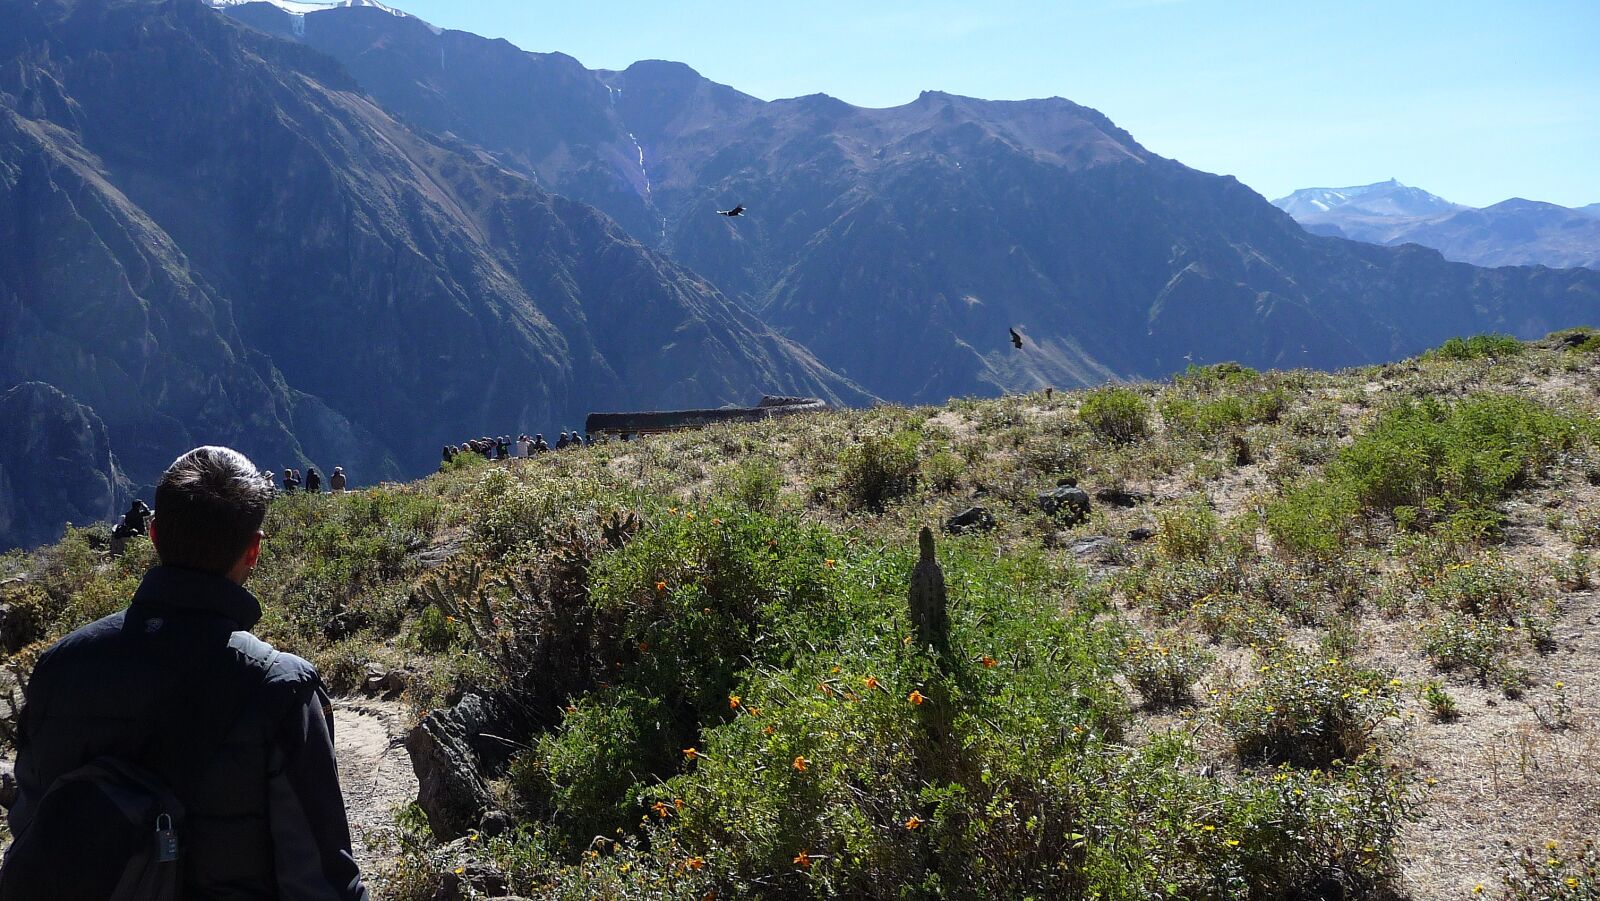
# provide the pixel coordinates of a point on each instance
(825, 688)
(661, 809)
(754, 711)
(644, 646)
(800, 764)
(715, 521)
(871, 682)
(989, 662)
(768, 731)
(803, 860)
(678, 803)
(734, 701)
(913, 823)
(916, 698)
(692, 753)
(695, 863)
(828, 563)
(688, 516)
(661, 588)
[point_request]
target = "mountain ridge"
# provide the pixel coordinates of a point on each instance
(1513, 232)
(271, 260)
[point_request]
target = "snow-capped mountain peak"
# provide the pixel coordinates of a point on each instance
(302, 7)
(1385, 198)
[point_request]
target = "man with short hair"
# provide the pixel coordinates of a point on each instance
(264, 815)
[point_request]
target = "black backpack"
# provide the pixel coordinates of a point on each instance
(112, 830)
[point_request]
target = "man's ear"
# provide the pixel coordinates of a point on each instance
(253, 552)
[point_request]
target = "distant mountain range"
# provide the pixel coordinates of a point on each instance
(333, 233)
(1514, 232)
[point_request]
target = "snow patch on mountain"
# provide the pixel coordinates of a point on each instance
(301, 8)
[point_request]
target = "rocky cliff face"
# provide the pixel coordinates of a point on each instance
(900, 244)
(209, 235)
(56, 465)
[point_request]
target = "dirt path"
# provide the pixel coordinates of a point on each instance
(375, 770)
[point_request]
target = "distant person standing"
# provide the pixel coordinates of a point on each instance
(313, 481)
(291, 481)
(337, 480)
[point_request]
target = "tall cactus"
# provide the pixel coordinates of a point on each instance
(929, 617)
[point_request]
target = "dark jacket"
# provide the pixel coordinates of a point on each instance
(266, 817)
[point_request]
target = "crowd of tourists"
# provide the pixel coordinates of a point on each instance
(507, 448)
(310, 482)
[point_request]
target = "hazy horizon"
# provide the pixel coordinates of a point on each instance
(1474, 102)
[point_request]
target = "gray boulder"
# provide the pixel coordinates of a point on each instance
(1068, 503)
(451, 787)
(972, 519)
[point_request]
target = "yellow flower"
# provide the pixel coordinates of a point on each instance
(1551, 845)
(913, 823)
(768, 731)
(1477, 889)
(1560, 685)
(1233, 843)
(916, 698)
(803, 860)
(691, 753)
(473, 837)
(871, 682)
(800, 764)
(989, 662)
(661, 809)
(734, 701)
(460, 870)
(1208, 828)
(828, 563)
(688, 516)
(695, 863)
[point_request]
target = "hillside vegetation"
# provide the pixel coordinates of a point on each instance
(1321, 636)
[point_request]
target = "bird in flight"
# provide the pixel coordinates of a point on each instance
(1016, 339)
(736, 211)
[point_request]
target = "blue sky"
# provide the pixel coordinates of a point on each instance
(1475, 101)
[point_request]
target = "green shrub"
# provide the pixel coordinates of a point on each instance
(1456, 641)
(1186, 533)
(943, 470)
(1313, 519)
(1165, 670)
(583, 777)
(1439, 701)
(1307, 710)
(1429, 464)
(754, 484)
(1478, 347)
(1119, 415)
(880, 469)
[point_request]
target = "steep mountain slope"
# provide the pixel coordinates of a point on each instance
(56, 465)
(210, 234)
(900, 244)
(1514, 232)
